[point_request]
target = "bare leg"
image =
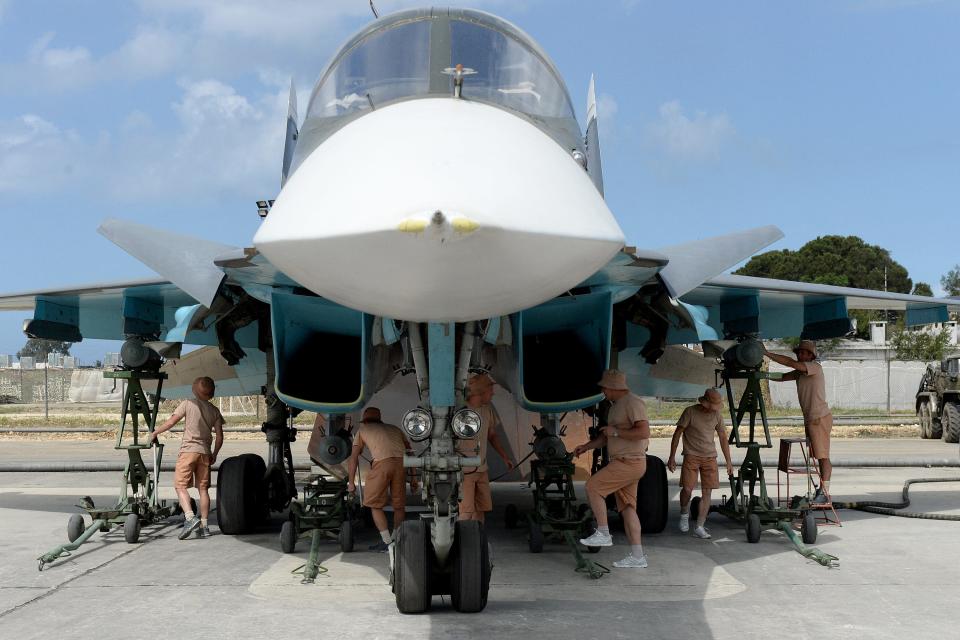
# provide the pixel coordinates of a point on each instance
(685, 499)
(704, 506)
(204, 504)
(631, 523)
(185, 500)
(598, 504)
(379, 519)
(826, 469)
(399, 515)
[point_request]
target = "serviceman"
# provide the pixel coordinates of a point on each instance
(477, 499)
(387, 445)
(817, 418)
(698, 424)
(203, 419)
(626, 437)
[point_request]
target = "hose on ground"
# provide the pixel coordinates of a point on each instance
(895, 508)
(812, 553)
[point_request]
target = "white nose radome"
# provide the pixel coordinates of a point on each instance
(439, 210)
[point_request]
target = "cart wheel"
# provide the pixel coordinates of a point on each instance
(131, 528)
(75, 527)
(511, 516)
(345, 537)
(753, 528)
(536, 537)
(288, 536)
(808, 528)
(695, 508)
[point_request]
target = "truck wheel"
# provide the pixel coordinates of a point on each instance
(926, 420)
(951, 422)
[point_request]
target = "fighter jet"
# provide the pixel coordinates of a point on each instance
(441, 213)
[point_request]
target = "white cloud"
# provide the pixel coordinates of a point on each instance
(695, 138)
(36, 155)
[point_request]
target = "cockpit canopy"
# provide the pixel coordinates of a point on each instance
(410, 55)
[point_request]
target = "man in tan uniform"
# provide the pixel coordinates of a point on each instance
(817, 418)
(626, 437)
(476, 499)
(195, 457)
(698, 425)
(387, 445)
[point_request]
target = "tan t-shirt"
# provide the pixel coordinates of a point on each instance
(489, 419)
(699, 428)
(200, 420)
(623, 414)
(383, 440)
(812, 393)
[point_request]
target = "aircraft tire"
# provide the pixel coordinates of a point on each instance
(470, 577)
(951, 422)
(652, 501)
(288, 536)
(75, 527)
(412, 567)
(240, 489)
(131, 528)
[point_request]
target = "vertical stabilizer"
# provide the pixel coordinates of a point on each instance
(291, 142)
(592, 140)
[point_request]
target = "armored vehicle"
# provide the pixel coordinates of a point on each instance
(938, 401)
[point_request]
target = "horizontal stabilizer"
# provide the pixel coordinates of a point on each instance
(693, 263)
(187, 262)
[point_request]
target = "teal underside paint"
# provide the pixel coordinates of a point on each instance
(926, 315)
(184, 317)
(441, 349)
(390, 333)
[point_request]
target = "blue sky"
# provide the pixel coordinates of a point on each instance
(837, 117)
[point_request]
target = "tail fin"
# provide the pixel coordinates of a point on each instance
(592, 140)
(292, 134)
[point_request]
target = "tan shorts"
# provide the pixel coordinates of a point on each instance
(699, 466)
(620, 478)
(476, 493)
(385, 475)
(192, 470)
(818, 435)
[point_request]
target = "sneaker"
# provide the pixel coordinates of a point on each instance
(702, 533)
(203, 532)
(820, 497)
(684, 522)
(598, 539)
(189, 526)
(380, 547)
(632, 562)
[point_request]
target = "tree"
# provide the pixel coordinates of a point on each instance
(951, 281)
(845, 261)
(39, 349)
(920, 344)
(922, 289)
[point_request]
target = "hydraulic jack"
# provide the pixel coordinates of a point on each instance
(138, 503)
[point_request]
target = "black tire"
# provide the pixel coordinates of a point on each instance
(470, 575)
(131, 528)
(288, 536)
(695, 508)
(808, 528)
(536, 538)
(412, 567)
(752, 528)
(652, 502)
(951, 422)
(241, 494)
(511, 516)
(925, 417)
(345, 536)
(75, 527)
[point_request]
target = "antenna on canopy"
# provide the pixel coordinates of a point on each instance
(374, 9)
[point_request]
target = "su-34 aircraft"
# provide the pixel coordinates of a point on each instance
(441, 213)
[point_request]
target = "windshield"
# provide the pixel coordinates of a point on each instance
(390, 64)
(507, 72)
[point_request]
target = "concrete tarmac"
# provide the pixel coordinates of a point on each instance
(897, 578)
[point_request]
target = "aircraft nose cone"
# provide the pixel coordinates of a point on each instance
(439, 210)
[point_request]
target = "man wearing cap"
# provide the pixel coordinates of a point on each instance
(626, 437)
(817, 418)
(698, 424)
(477, 499)
(387, 445)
